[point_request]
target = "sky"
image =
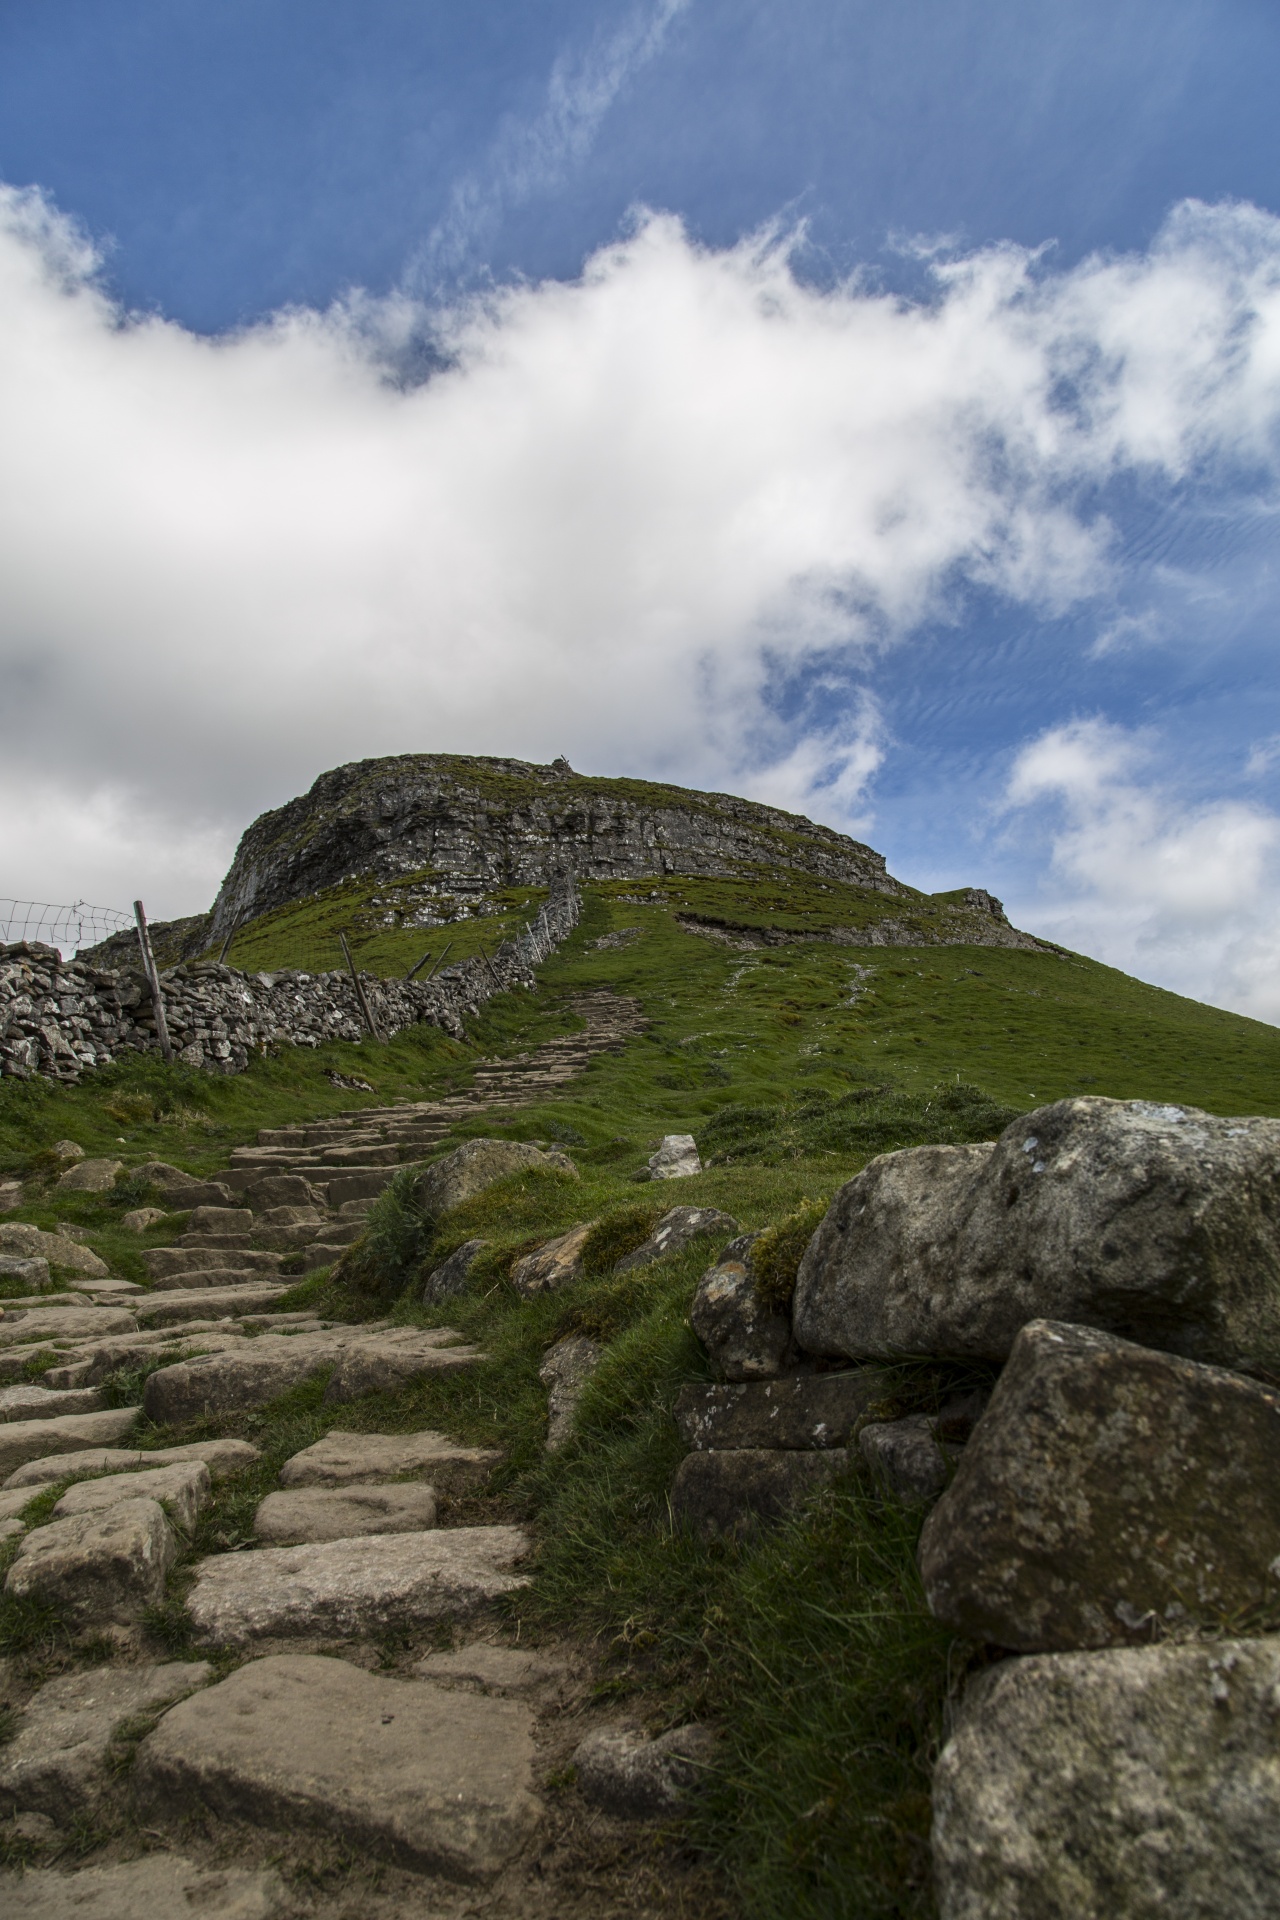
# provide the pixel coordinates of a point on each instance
(871, 410)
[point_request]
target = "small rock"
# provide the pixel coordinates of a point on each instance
(90, 1176)
(450, 1276)
(220, 1456)
(1109, 1491)
(565, 1371)
(496, 1669)
(1138, 1782)
(39, 1403)
(800, 1411)
(677, 1230)
(55, 1764)
(162, 1884)
(737, 1492)
(907, 1456)
(97, 1569)
(435, 1780)
(67, 1151)
(304, 1514)
(183, 1489)
(33, 1826)
(676, 1158)
(641, 1779)
(10, 1195)
(347, 1588)
(556, 1264)
(347, 1459)
(23, 1440)
(472, 1168)
(33, 1273)
(745, 1338)
(140, 1218)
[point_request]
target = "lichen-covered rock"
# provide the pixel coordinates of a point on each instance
(677, 1229)
(1157, 1223)
(472, 1168)
(1138, 1782)
(637, 1778)
(450, 1276)
(749, 1487)
(676, 1159)
(555, 1264)
(745, 1337)
(565, 1371)
(800, 1411)
(906, 1456)
(1108, 1491)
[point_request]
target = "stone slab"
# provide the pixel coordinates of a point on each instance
(43, 1325)
(1108, 1491)
(205, 1303)
(182, 1488)
(97, 1569)
(162, 1885)
(297, 1515)
(23, 1440)
(349, 1588)
(794, 1412)
(379, 1363)
(1131, 1784)
(737, 1492)
(163, 1262)
(17, 1236)
(44, 1403)
(220, 1456)
(55, 1763)
(434, 1780)
(351, 1459)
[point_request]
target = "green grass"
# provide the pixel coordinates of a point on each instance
(792, 1064)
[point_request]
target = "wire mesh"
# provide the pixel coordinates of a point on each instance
(67, 928)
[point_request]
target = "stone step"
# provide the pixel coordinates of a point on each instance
(365, 1459)
(348, 1589)
(206, 1303)
(256, 1371)
(24, 1440)
(163, 1263)
(402, 1770)
(165, 1884)
(43, 1403)
(220, 1456)
(201, 1279)
(301, 1516)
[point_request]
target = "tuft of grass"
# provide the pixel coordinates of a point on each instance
(616, 1235)
(777, 1254)
(865, 1122)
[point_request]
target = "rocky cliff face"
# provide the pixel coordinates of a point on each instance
(484, 822)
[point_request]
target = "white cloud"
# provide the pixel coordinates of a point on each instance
(624, 514)
(1177, 892)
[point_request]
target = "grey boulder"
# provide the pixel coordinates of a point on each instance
(636, 1778)
(740, 1491)
(555, 1264)
(565, 1370)
(906, 1456)
(677, 1229)
(450, 1276)
(474, 1167)
(745, 1337)
(1138, 1782)
(1108, 1492)
(1157, 1223)
(800, 1411)
(90, 1176)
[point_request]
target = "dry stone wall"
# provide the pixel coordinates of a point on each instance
(62, 1018)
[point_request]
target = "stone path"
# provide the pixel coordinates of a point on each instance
(433, 1770)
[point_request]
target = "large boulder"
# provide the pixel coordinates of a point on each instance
(91, 1176)
(59, 1249)
(1108, 1492)
(475, 1166)
(1139, 1782)
(1157, 1223)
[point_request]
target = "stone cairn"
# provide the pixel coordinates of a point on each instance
(1104, 1525)
(62, 1018)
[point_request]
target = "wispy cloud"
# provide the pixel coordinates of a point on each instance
(529, 158)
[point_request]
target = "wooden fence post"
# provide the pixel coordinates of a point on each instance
(419, 966)
(157, 998)
(440, 962)
(365, 1008)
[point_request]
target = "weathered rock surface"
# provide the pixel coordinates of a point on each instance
(380, 1362)
(1108, 1489)
(33, 1273)
(282, 1190)
(349, 1459)
(494, 1668)
(299, 1515)
(676, 1158)
(677, 1230)
(565, 1371)
(435, 1780)
(90, 1176)
(745, 1337)
(138, 1219)
(163, 1885)
(182, 1190)
(450, 1276)
(907, 1456)
(629, 1775)
(97, 1569)
(183, 1488)
(557, 1263)
(23, 1440)
(1139, 1782)
(44, 1325)
(220, 1456)
(347, 1588)
(55, 1764)
(32, 1243)
(736, 1492)
(40, 1403)
(1157, 1223)
(170, 1263)
(472, 1168)
(800, 1411)
(205, 1304)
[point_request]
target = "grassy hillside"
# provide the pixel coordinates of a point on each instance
(792, 1063)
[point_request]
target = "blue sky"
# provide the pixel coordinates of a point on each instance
(405, 375)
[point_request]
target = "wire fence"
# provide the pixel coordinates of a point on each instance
(67, 928)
